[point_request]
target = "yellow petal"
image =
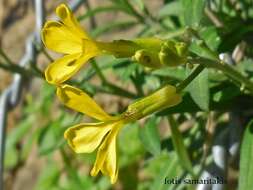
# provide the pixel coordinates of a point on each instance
(66, 16)
(85, 138)
(64, 68)
(106, 160)
(78, 100)
(59, 38)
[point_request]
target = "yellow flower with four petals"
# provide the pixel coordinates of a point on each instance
(86, 137)
(67, 37)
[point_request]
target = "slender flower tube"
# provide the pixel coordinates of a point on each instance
(102, 135)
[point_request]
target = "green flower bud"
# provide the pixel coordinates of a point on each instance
(157, 101)
(173, 53)
(147, 58)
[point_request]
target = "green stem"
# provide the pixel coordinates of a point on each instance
(227, 69)
(179, 146)
(43, 50)
(119, 91)
(109, 86)
(14, 68)
(134, 12)
(6, 58)
(190, 78)
(68, 166)
(98, 71)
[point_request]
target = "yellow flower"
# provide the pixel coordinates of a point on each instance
(87, 137)
(67, 37)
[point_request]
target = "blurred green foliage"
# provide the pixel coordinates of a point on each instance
(150, 152)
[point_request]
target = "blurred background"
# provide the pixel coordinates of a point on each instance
(209, 123)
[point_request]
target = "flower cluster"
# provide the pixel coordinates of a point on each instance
(67, 37)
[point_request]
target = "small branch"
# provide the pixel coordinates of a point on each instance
(216, 21)
(13, 68)
(6, 58)
(98, 71)
(190, 78)
(227, 69)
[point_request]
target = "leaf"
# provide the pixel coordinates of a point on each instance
(152, 82)
(140, 4)
(95, 11)
(211, 37)
(179, 146)
(49, 177)
(170, 169)
(149, 136)
(134, 149)
(17, 133)
(222, 97)
(192, 11)
(51, 137)
(246, 159)
(11, 157)
(112, 26)
(14, 137)
(177, 73)
(170, 9)
(199, 90)
(125, 70)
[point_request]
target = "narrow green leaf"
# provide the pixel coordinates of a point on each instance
(51, 137)
(112, 26)
(170, 169)
(17, 133)
(192, 11)
(140, 4)
(49, 177)
(179, 146)
(170, 9)
(149, 136)
(98, 10)
(199, 90)
(246, 159)
(134, 149)
(211, 37)
(177, 73)
(11, 157)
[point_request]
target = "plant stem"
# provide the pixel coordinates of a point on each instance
(190, 78)
(14, 68)
(6, 58)
(227, 69)
(43, 50)
(68, 166)
(179, 146)
(109, 86)
(98, 71)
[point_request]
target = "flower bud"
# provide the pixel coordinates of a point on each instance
(157, 101)
(147, 58)
(173, 53)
